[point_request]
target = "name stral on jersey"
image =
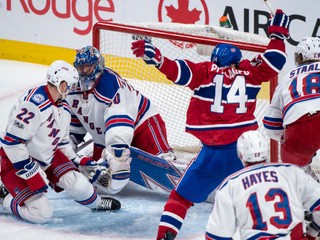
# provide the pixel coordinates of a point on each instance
(256, 178)
(304, 69)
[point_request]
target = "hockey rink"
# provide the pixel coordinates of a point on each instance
(141, 208)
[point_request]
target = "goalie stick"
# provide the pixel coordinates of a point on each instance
(150, 171)
(84, 145)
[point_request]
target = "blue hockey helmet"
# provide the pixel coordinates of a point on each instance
(225, 54)
(89, 63)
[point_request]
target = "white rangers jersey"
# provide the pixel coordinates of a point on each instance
(264, 201)
(297, 94)
(37, 126)
(112, 111)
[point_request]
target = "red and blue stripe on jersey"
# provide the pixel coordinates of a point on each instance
(119, 120)
(299, 100)
(40, 91)
(272, 123)
(143, 108)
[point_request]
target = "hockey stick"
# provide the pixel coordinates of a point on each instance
(84, 145)
(269, 5)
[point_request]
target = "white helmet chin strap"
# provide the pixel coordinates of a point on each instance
(63, 95)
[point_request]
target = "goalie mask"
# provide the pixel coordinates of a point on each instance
(89, 63)
(307, 50)
(252, 147)
(60, 71)
(226, 54)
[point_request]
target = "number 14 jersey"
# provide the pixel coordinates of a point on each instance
(224, 99)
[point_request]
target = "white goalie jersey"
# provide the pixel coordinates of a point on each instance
(111, 112)
(266, 200)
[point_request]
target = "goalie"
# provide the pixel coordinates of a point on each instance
(116, 116)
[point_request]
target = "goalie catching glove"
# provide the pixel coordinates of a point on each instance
(149, 53)
(94, 170)
(279, 25)
(35, 177)
(119, 158)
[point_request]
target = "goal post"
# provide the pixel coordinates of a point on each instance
(175, 40)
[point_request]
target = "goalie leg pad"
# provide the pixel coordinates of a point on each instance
(120, 174)
(119, 180)
(114, 184)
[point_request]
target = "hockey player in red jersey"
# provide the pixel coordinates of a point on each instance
(35, 151)
(220, 110)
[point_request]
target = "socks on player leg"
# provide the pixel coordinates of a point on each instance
(173, 215)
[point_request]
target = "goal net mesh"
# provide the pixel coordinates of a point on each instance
(182, 41)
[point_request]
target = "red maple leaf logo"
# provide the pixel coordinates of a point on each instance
(182, 14)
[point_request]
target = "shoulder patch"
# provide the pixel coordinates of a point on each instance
(38, 98)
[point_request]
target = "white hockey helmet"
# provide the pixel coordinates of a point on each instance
(252, 147)
(60, 71)
(308, 49)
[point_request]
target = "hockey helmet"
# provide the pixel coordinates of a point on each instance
(60, 71)
(307, 50)
(225, 54)
(252, 147)
(89, 63)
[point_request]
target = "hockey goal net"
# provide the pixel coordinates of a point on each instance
(193, 42)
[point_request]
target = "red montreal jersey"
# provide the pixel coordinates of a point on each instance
(224, 99)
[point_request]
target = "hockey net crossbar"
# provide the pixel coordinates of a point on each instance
(202, 34)
(175, 40)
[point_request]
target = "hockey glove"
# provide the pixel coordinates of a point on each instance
(119, 159)
(149, 53)
(94, 169)
(279, 25)
(313, 230)
(35, 177)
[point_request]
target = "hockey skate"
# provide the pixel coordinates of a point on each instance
(108, 204)
(3, 193)
(169, 236)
